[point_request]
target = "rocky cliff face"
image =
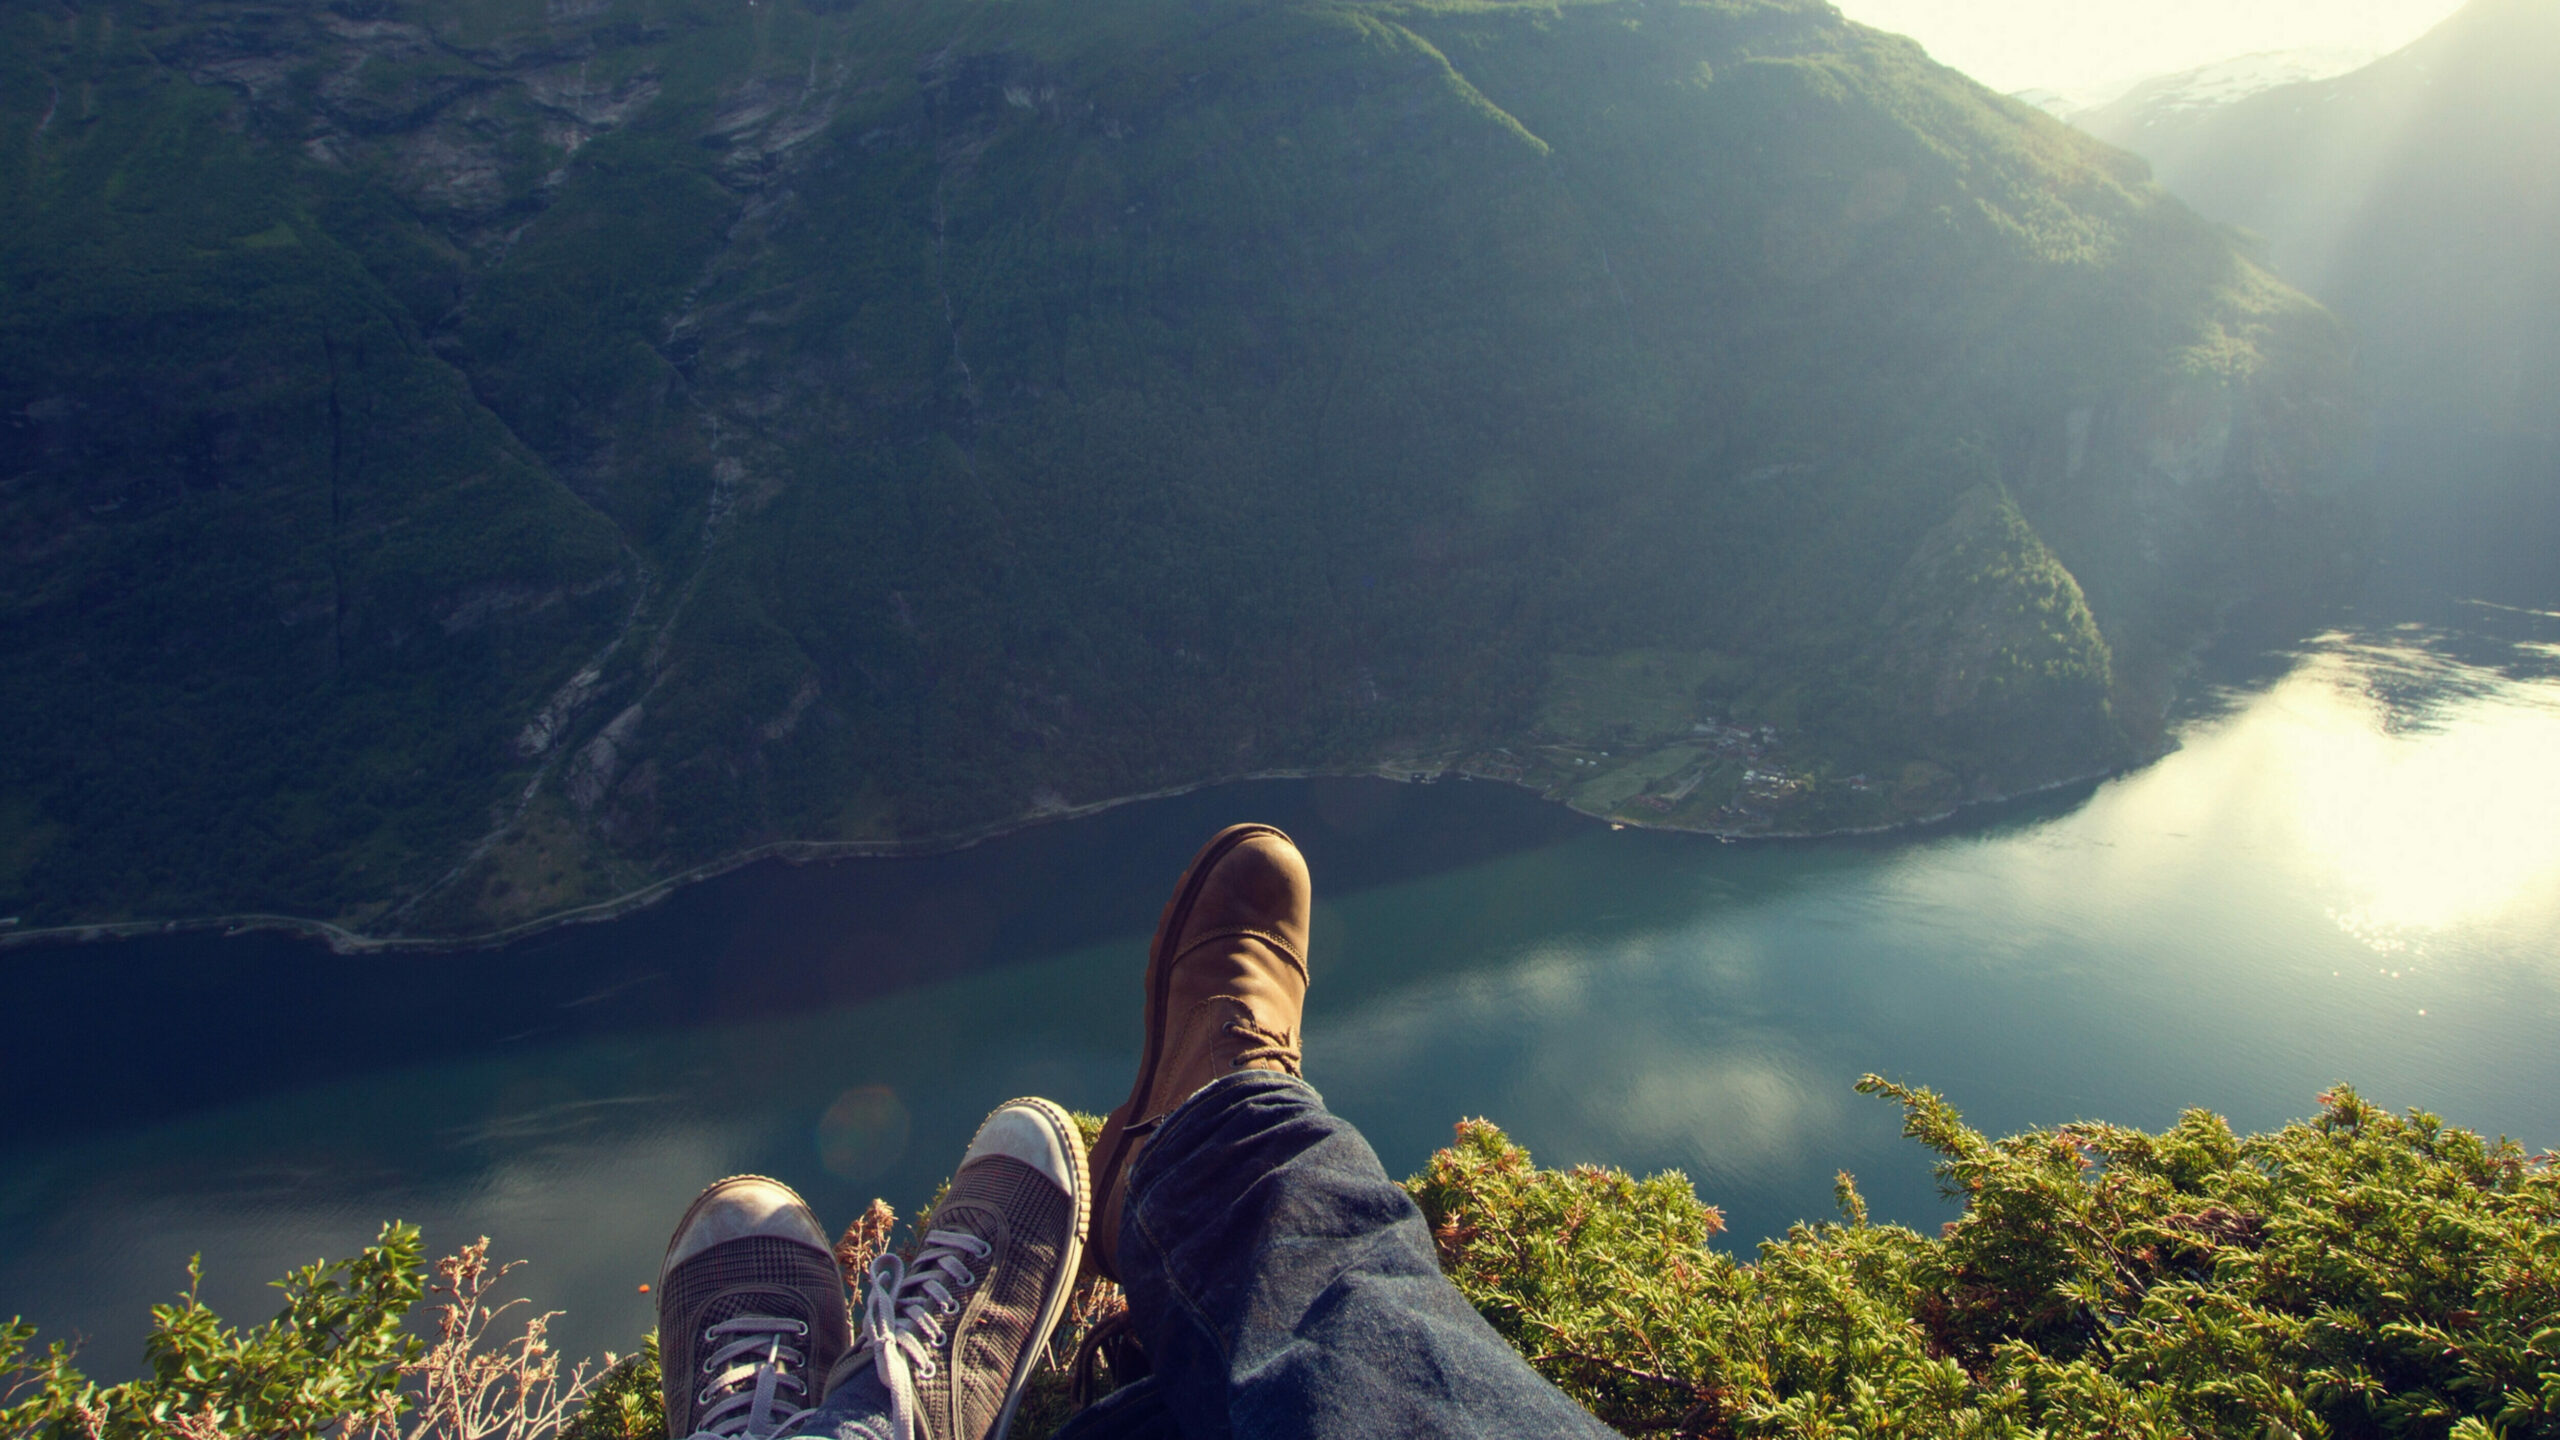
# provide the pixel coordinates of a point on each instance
(470, 459)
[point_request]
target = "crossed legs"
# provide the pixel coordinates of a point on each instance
(1280, 1283)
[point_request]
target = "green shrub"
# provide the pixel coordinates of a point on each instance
(624, 1403)
(2358, 1274)
(337, 1362)
(335, 1353)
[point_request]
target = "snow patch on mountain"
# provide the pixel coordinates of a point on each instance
(2131, 105)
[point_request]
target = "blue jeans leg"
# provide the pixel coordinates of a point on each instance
(858, 1409)
(1283, 1287)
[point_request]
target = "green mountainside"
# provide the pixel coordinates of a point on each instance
(2419, 197)
(464, 459)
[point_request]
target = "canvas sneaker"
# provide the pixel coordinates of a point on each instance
(954, 1333)
(751, 1313)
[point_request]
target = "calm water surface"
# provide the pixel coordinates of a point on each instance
(2349, 871)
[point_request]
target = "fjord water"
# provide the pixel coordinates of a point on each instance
(2349, 870)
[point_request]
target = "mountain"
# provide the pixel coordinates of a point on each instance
(2419, 197)
(466, 459)
(2172, 100)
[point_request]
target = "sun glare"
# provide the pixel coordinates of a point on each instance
(2453, 826)
(2412, 818)
(2095, 45)
(2404, 793)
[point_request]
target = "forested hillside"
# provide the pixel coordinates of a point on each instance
(461, 459)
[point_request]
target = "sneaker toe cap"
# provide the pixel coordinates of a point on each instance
(738, 1208)
(1036, 1135)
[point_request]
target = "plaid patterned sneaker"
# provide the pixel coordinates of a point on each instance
(954, 1333)
(751, 1312)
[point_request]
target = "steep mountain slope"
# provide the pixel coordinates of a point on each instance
(2420, 198)
(470, 457)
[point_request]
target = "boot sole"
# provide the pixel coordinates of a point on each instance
(1177, 912)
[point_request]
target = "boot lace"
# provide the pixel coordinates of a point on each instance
(745, 1376)
(1271, 1045)
(903, 1320)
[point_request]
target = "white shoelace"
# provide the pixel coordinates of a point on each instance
(902, 1319)
(743, 1380)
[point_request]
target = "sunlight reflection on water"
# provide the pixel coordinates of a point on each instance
(2425, 819)
(2410, 791)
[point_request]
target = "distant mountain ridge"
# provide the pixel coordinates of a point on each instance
(460, 461)
(2420, 198)
(2182, 93)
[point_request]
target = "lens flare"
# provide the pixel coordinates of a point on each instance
(863, 1132)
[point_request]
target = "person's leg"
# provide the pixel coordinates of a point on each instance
(1284, 1286)
(1280, 1282)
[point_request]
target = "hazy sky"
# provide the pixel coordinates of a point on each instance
(2078, 45)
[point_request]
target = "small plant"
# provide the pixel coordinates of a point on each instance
(465, 1387)
(330, 1363)
(864, 1241)
(337, 1363)
(624, 1403)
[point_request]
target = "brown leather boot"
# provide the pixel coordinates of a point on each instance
(1226, 985)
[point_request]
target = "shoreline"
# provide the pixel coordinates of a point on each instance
(343, 941)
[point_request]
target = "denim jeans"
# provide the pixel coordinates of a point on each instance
(1283, 1286)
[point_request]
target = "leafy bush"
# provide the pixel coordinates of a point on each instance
(624, 1403)
(2358, 1274)
(337, 1362)
(335, 1353)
